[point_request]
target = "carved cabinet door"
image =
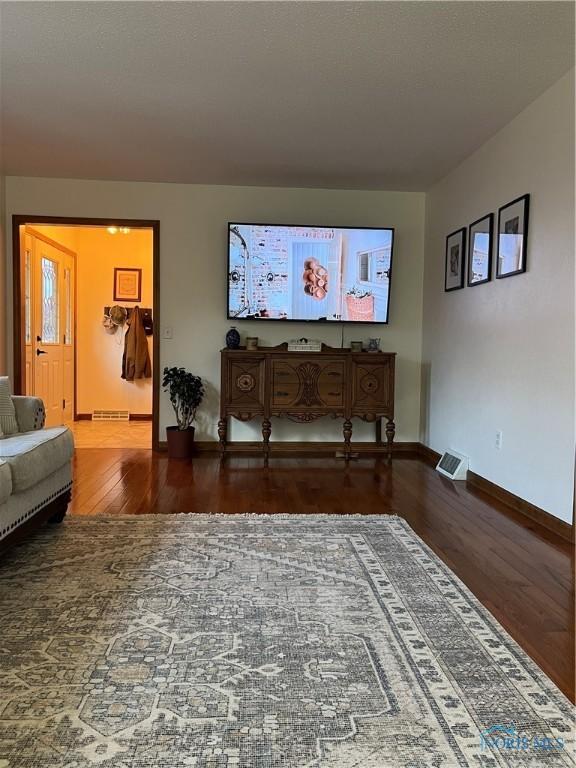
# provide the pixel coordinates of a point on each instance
(246, 386)
(373, 387)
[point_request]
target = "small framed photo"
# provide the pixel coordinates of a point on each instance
(480, 250)
(127, 284)
(455, 260)
(356, 346)
(512, 237)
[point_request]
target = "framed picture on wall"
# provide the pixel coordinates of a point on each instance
(480, 250)
(455, 260)
(127, 284)
(512, 237)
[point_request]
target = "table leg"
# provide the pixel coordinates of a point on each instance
(347, 431)
(222, 433)
(266, 432)
(390, 431)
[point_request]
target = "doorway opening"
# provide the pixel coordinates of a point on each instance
(86, 325)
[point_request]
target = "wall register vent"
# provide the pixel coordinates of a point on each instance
(111, 416)
(453, 465)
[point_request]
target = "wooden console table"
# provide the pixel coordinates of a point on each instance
(303, 386)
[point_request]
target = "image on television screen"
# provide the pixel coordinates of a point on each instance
(309, 273)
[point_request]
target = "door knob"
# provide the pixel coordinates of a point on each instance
(40, 352)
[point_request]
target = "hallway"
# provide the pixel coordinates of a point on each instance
(110, 434)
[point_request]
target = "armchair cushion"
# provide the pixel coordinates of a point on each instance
(30, 413)
(8, 423)
(32, 456)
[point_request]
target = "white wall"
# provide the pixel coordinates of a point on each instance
(500, 356)
(193, 245)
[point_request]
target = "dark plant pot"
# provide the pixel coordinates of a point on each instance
(180, 442)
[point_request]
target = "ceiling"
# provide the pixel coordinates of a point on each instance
(371, 95)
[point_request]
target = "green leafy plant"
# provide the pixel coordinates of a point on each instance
(358, 293)
(186, 392)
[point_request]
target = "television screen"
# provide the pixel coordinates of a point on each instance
(309, 273)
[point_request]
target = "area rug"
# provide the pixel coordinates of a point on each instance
(259, 642)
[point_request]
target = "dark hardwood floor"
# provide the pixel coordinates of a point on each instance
(523, 575)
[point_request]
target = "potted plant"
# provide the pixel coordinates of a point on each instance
(186, 392)
(360, 304)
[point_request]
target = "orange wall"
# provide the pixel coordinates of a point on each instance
(66, 236)
(99, 355)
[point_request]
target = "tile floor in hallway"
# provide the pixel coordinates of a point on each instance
(119, 434)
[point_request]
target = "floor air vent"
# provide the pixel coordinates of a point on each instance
(453, 465)
(111, 416)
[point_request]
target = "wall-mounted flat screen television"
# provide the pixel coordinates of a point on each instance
(339, 274)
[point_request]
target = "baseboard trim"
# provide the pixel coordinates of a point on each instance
(428, 455)
(133, 417)
(289, 448)
(521, 506)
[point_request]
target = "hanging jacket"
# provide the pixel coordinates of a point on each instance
(136, 360)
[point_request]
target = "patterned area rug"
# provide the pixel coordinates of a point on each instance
(259, 642)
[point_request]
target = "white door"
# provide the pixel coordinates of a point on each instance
(47, 333)
(50, 351)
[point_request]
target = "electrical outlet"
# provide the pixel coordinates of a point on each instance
(167, 332)
(498, 440)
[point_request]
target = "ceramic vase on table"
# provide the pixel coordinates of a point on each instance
(232, 339)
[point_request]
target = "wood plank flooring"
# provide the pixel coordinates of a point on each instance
(523, 576)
